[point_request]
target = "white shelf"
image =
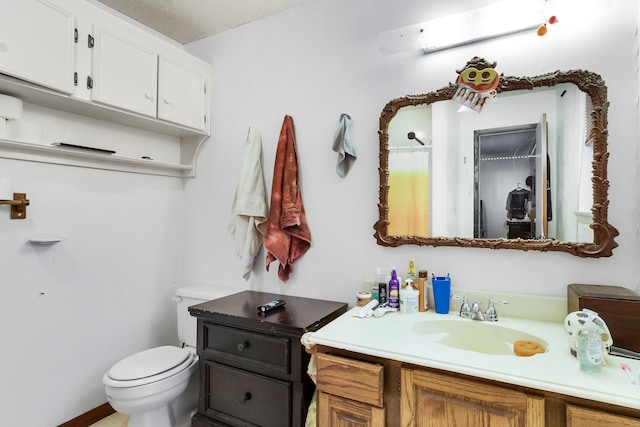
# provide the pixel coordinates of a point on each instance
(190, 140)
(63, 156)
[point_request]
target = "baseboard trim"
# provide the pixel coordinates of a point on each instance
(90, 417)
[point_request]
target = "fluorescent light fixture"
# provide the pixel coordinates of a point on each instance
(485, 23)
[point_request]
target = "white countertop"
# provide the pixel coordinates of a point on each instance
(396, 336)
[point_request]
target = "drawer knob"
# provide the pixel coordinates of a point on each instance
(243, 345)
(243, 399)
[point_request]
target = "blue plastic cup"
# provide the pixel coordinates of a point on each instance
(441, 293)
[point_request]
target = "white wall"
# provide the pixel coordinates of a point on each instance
(69, 311)
(133, 239)
(322, 59)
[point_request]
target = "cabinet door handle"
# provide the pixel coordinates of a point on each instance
(243, 345)
(166, 101)
(243, 399)
(149, 96)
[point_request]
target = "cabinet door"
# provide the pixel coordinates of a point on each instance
(37, 43)
(181, 94)
(433, 400)
(335, 411)
(125, 75)
(583, 417)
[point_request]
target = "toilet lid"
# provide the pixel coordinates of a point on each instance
(149, 363)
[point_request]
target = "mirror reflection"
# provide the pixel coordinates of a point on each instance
(524, 168)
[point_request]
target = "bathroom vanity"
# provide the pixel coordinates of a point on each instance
(253, 368)
(420, 375)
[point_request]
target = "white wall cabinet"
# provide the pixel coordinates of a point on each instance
(37, 43)
(140, 96)
(182, 94)
(125, 74)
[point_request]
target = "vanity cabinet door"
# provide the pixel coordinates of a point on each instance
(583, 417)
(432, 399)
(125, 74)
(336, 411)
(182, 93)
(39, 49)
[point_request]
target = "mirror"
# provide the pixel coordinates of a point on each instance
(526, 170)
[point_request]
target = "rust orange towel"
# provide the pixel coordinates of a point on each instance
(288, 236)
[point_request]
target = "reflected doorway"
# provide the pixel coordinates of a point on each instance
(506, 162)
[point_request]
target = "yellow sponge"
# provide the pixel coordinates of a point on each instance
(527, 348)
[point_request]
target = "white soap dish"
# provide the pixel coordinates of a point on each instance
(46, 239)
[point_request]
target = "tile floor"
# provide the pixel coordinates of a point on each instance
(113, 420)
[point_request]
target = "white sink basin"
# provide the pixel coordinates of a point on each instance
(473, 335)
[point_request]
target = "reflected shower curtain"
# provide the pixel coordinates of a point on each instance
(409, 195)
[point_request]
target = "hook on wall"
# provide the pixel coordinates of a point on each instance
(412, 135)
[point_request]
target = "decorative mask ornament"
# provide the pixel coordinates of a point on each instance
(476, 82)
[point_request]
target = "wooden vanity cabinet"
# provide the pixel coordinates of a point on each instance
(435, 399)
(253, 368)
(416, 396)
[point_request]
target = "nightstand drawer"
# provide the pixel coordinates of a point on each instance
(253, 398)
(241, 348)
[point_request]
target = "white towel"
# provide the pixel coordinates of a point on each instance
(342, 145)
(248, 223)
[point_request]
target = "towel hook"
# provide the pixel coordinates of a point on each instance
(412, 135)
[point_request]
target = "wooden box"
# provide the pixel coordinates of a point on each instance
(619, 307)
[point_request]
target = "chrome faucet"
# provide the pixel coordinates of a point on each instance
(465, 308)
(491, 314)
(474, 311)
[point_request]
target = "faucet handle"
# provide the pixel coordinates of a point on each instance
(465, 309)
(491, 314)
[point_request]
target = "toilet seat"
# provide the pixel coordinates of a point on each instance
(149, 366)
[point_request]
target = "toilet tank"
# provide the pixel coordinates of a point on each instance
(192, 295)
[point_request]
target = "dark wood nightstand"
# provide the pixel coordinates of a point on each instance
(253, 366)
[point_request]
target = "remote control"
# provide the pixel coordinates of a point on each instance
(272, 305)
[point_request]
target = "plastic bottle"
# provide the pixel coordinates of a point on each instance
(394, 290)
(411, 270)
(423, 291)
(377, 279)
(383, 295)
(590, 348)
(408, 298)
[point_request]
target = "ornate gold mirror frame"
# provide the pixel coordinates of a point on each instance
(604, 233)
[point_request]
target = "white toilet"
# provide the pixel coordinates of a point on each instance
(154, 386)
